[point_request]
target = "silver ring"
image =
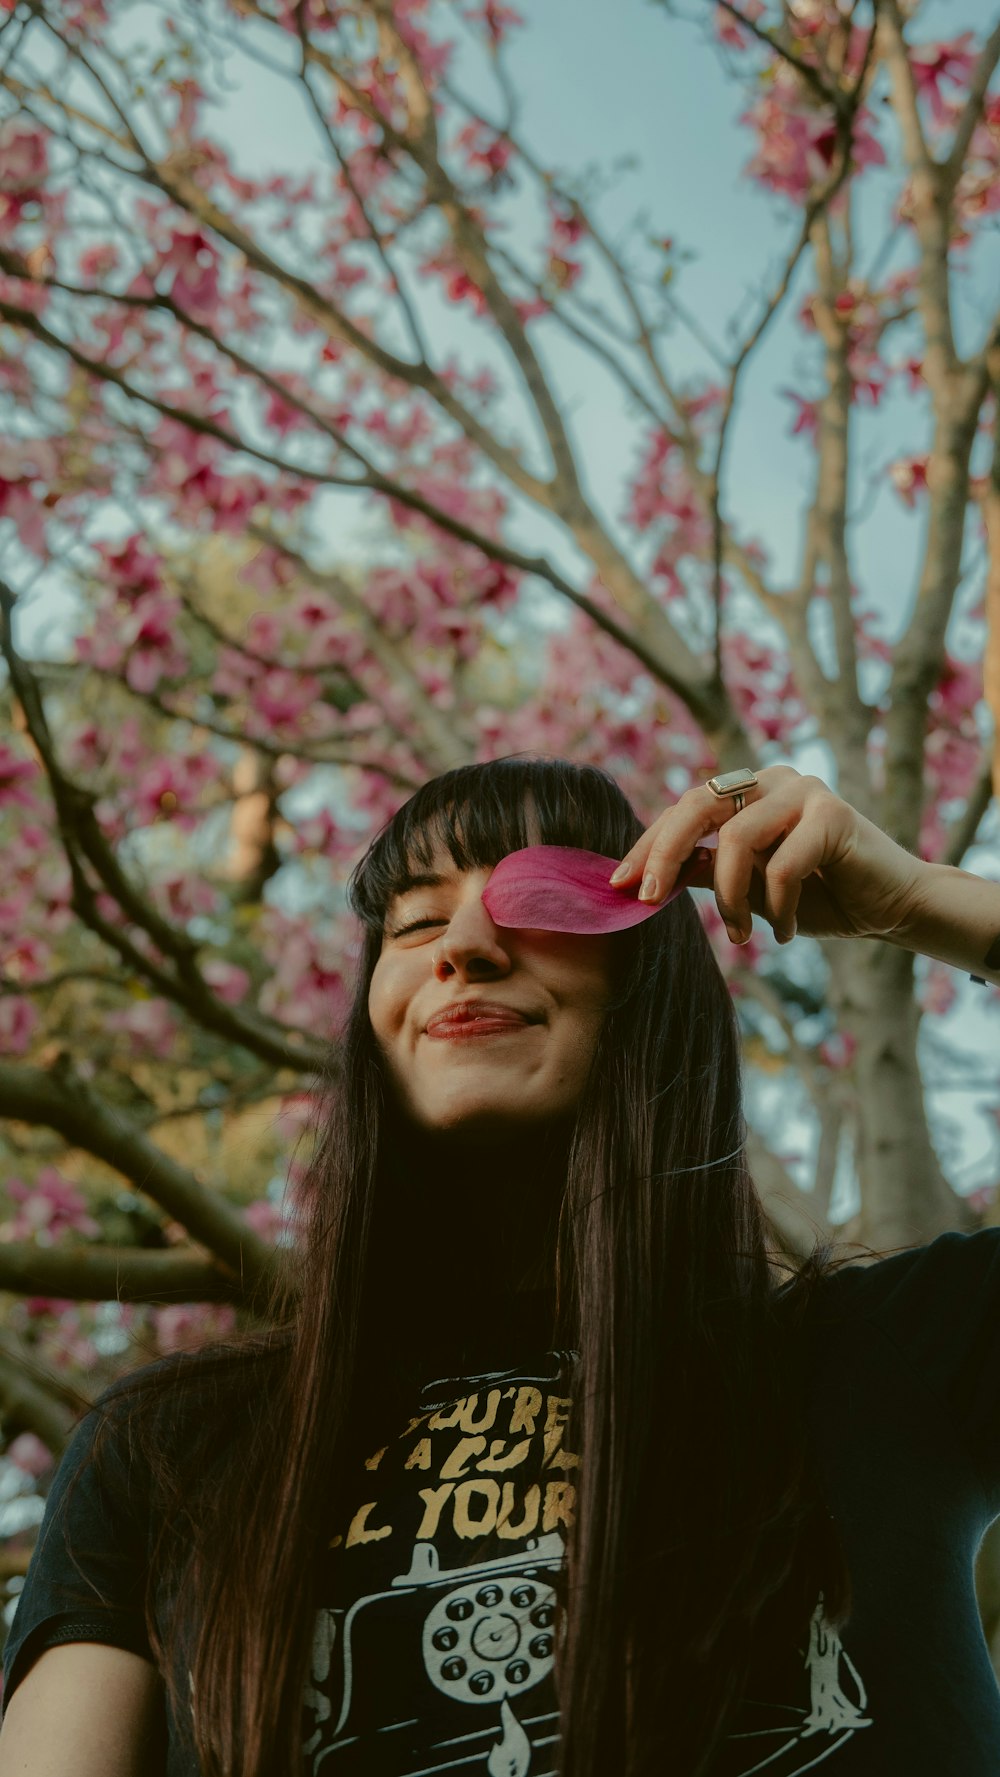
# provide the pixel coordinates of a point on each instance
(734, 784)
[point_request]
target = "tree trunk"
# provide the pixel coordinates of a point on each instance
(905, 1198)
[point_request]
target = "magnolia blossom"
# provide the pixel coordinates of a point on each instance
(18, 1022)
(52, 1206)
(24, 156)
(173, 788)
(796, 144)
(151, 1025)
(729, 31)
(15, 773)
(307, 987)
(185, 1325)
(909, 477)
(227, 980)
(933, 63)
(806, 414)
(24, 467)
(29, 1454)
(192, 264)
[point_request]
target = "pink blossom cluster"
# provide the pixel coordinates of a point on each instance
(51, 1206)
(484, 152)
(151, 1025)
(187, 472)
(952, 749)
(61, 1332)
(977, 195)
(935, 64)
(306, 987)
(730, 32)
(457, 283)
(188, 271)
(28, 468)
(664, 505)
(140, 642)
(29, 1454)
(184, 1326)
(26, 199)
(763, 688)
(797, 143)
(34, 897)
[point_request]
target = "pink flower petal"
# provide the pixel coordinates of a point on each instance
(557, 888)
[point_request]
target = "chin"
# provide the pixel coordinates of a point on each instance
(486, 1125)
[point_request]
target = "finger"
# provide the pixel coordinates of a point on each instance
(664, 848)
(797, 857)
(735, 864)
(764, 822)
(669, 842)
(747, 844)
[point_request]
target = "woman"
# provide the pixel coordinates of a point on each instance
(546, 1467)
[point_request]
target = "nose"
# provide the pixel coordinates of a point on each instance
(471, 944)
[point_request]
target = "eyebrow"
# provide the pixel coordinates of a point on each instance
(420, 879)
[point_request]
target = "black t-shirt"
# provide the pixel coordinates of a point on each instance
(433, 1642)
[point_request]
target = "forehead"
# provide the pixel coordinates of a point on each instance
(439, 870)
(430, 863)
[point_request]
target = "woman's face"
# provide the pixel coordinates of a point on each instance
(483, 1085)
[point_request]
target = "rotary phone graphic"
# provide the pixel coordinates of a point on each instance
(491, 1636)
(477, 1635)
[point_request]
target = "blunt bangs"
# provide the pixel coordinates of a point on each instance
(480, 813)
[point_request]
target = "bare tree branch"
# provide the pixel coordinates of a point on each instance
(972, 111)
(83, 1273)
(808, 72)
(173, 178)
(322, 124)
(662, 655)
(82, 838)
(59, 1098)
(963, 833)
(443, 746)
(28, 1406)
(816, 209)
(904, 87)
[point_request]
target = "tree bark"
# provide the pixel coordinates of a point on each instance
(905, 1198)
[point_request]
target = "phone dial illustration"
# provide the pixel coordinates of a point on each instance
(479, 1635)
(492, 1636)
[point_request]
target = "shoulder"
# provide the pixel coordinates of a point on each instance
(954, 1267)
(167, 1416)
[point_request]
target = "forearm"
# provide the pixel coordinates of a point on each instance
(957, 920)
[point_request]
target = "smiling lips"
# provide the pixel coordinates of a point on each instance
(475, 1017)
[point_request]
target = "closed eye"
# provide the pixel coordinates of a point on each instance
(416, 925)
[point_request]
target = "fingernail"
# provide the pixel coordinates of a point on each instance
(621, 871)
(736, 936)
(648, 889)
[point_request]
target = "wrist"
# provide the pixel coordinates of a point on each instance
(955, 918)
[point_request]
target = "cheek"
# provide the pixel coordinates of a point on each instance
(592, 972)
(388, 998)
(378, 1001)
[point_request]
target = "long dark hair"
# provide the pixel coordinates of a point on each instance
(700, 1521)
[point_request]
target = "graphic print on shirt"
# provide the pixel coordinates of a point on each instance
(443, 1659)
(434, 1647)
(788, 1739)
